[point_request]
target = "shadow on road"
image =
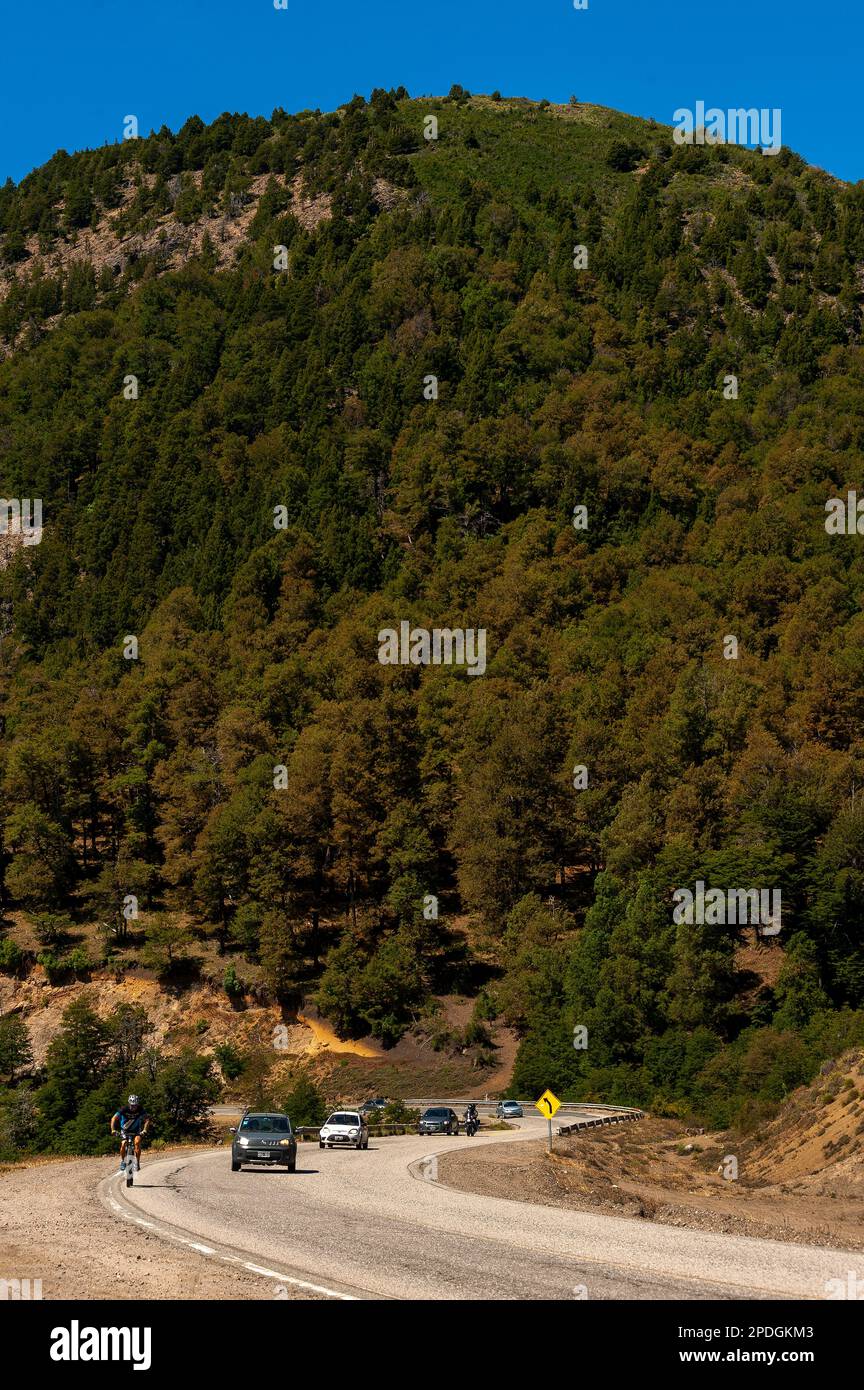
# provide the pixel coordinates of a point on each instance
(276, 1172)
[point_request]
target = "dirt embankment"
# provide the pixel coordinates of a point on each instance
(800, 1178)
(202, 1017)
(198, 1015)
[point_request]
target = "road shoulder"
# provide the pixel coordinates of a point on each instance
(595, 1172)
(54, 1227)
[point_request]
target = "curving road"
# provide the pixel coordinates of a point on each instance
(376, 1224)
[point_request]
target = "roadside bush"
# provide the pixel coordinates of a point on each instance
(305, 1103)
(396, 1112)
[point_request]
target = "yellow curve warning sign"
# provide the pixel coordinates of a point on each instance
(547, 1105)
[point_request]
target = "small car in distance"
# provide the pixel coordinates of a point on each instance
(346, 1128)
(438, 1119)
(371, 1107)
(508, 1110)
(264, 1138)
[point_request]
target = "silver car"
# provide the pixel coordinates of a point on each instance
(509, 1110)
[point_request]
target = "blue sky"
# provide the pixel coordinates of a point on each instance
(75, 68)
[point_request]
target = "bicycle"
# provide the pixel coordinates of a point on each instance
(131, 1164)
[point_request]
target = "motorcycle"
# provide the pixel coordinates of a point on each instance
(472, 1123)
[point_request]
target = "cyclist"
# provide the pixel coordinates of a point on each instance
(130, 1121)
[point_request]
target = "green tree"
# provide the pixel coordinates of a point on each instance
(15, 1049)
(304, 1103)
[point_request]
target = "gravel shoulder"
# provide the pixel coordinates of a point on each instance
(53, 1227)
(642, 1172)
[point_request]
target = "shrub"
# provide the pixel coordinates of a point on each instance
(50, 929)
(476, 1034)
(623, 156)
(232, 986)
(396, 1112)
(78, 961)
(11, 956)
(51, 964)
(485, 1006)
(305, 1103)
(229, 1059)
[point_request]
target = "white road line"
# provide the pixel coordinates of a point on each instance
(300, 1283)
(226, 1258)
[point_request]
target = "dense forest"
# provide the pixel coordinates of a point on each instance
(252, 460)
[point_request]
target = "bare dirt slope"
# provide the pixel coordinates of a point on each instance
(202, 1016)
(176, 1015)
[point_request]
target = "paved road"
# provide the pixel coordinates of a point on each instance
(375, 1224)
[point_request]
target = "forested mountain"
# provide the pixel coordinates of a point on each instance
(282, 384)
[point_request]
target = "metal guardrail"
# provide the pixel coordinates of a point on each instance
(529, 1105)
(314, 1131)
(611, 1114)
(619, 1118)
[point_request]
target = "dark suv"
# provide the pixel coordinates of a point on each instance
(438, 1119)
(261, 1138)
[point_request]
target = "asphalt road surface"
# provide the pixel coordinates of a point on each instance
(376, 1224)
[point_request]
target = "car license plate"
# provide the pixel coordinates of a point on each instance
(262, 1153)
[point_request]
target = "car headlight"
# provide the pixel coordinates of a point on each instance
(244, 1143)
(353, 1131)
(284, 1141)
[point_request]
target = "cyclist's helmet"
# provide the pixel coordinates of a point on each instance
(134, 1100)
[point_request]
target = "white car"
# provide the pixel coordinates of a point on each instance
(346, 1127)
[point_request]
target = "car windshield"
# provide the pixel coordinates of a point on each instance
(436, 1114)
(260, 1124)
(341, 1118)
